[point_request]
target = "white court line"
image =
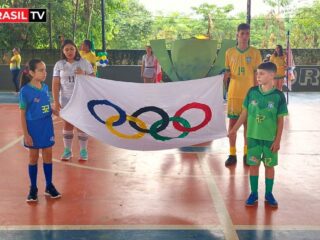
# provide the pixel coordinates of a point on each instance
(218, 202)
(114, 171)
(228, 228)
(280, 227)
(129, 173)
(11, 144)
(19, 139)
(111, 227)
(157, 227)
(137, 174)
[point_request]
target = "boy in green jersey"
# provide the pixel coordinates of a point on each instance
(264, 108)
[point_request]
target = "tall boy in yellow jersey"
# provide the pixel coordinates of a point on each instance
(241, 65)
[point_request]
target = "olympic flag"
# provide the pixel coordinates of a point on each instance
(146, 117)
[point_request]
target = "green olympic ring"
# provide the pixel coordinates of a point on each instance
(154, 127)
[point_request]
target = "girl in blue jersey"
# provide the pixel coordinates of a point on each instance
(37, 126)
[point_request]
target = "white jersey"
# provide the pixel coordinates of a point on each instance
(66, 72)
(149, 66)
(149, 61)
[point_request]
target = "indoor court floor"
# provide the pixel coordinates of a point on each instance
(179, 194)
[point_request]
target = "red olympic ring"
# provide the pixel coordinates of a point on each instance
(203, 107)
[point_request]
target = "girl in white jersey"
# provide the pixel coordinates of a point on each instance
(64, 76)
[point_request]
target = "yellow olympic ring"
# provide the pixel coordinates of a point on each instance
(115, 118)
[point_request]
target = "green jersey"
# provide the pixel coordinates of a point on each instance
(264, 108)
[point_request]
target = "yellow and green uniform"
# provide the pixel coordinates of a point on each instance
(15, 62)
(280, 62)
(242, 65)
(264, 109)
(91, 58)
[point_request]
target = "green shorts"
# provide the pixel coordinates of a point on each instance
(259, 150)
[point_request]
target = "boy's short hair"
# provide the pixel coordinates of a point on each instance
(243, 26)
(268, 66)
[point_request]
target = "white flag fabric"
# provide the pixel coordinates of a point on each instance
(145, 117)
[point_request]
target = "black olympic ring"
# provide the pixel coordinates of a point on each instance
(161, 112)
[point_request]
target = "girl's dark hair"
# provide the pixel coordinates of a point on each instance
(280, 51)
(30, 66)
(88, 43)
(68, 41)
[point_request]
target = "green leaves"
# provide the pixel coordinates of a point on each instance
(130, 26)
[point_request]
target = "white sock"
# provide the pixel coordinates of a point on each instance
(67, 138)
(83, 140)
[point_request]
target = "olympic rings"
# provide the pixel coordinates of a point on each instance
(207, 118)
(179, 123)
(156, 136)
(161, 112)
(91, 104)
(110, 121)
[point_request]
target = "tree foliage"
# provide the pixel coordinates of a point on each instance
(129, 25)
(305, 27)
(131, 28)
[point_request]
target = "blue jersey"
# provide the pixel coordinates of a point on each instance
(35, 101)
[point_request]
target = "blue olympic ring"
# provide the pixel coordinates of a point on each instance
(122, 114)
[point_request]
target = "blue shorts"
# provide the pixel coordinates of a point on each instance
(41, 132)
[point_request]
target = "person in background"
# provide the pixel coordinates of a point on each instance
(63, 82)
(87, 54)
(37, 126)
(61, 40)
(148, 67)
(267, 58)
(14, 63)
(279, 59)
(158, 72)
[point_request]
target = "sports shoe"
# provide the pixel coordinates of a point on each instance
(245, 160)
(232, 159)
(52, 192)
(252, 199)
(83, 155)
(33, 195)
(269, 198)
(67, 154)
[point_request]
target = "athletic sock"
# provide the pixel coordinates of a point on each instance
(83, 140)
(47, 168)
(233, 151)
(67, 138)
(254, 183)
(245, 150)
(33, 172)
(269, 185)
